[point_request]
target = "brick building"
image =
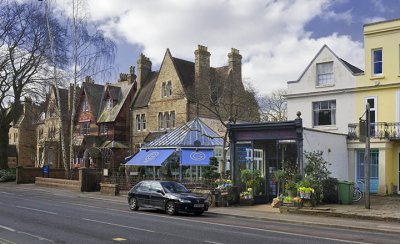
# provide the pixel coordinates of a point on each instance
(21, 136)
(102, 120)
(48, 138)
(169, 97)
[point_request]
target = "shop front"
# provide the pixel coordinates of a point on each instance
(259, 150)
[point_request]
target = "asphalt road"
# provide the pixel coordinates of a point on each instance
(39, 217)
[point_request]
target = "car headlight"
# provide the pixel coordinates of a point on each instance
(184, 201)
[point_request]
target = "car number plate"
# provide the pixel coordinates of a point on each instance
(199, 205)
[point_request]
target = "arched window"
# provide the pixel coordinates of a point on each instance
(169, 88)
(163, 90)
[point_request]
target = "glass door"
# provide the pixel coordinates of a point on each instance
(373, 169)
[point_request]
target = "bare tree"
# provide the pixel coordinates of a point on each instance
(23, 61)
(229, 101)
(274, 106)
(93, 54)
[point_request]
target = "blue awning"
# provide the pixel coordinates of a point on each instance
(153, 157)
(193, 157)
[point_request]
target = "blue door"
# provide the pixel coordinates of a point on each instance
(373, 168)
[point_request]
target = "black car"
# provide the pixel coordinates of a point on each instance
(170, 196)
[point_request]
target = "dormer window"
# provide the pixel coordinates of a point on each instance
(109, 103)
(85, 106)
(325, 74)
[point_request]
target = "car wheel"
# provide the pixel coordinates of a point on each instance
(133, 204)
(198, 213)
(170, 208)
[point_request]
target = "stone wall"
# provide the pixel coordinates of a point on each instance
(28, 175)
(61, 183)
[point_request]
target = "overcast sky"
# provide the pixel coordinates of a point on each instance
(277, 39)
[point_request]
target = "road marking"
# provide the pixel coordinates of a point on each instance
(38, 210)
(124, 226)
(390, 227)
(25, 233)
(119, 239)
(3, 192)
(213, 242)
(7, 228)
(6, 241)
(196, 221)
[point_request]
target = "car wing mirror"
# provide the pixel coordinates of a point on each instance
(160, 191)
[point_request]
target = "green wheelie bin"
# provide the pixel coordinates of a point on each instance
(346, 192)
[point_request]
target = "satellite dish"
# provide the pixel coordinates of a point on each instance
(196, 143)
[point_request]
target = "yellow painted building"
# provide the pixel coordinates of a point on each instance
(380, 87)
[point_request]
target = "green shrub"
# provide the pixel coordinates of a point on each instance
(121, 169)
(7, 175)
(329, 189)
(316, 171)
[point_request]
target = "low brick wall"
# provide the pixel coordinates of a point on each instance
(28, 175)
(109, 189)
(62, 183)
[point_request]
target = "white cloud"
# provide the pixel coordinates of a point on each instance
(373, 20)
(269, 33)
(344, 16)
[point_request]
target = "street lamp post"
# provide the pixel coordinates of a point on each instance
(367, 157)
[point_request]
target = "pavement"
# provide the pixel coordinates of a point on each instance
(383, 217)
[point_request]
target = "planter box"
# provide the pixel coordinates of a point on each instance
(288, 204)
(246, 202)
(109, 189)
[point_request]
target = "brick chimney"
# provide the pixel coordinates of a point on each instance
(144, 69)
(89, 79)
(201, 67)
(235, 64)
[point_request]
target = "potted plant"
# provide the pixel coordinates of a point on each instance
(301, 191)
(291, 188)
(307, 192)
(288, 201)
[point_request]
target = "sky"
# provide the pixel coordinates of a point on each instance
(277, 38)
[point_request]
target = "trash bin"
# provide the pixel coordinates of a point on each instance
(346, 192)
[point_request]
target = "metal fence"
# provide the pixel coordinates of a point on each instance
(380, 130)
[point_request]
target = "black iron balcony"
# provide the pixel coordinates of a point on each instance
(380, 130)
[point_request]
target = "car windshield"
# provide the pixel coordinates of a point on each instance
(174, 187)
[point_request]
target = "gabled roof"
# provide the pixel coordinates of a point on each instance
(185, 71)
(186, 135)
(143, 97)
(354, 70)
(114, 91)
(94, 94)
(121, 92)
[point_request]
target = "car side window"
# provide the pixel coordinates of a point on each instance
(145, 187)
(155, 186)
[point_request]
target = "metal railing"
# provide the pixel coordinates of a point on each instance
(380, 130)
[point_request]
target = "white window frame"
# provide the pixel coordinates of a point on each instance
(313, 115)
(318, 74)
(108, 103)
(373, 62)
(85, 106)
(375, 105)
(163, 90)
(160, 121)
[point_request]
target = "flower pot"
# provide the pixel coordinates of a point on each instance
(302, 194)
(307, 195)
